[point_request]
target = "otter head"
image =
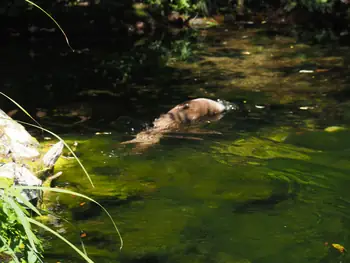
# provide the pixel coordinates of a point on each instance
(196, 110)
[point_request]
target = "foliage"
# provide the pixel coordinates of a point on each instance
(17, 238)
(183, 6)
(206, 7)
(148, 55)
(182, 48)
(16, 234)
(324, 6)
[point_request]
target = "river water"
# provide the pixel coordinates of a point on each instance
(271, 187)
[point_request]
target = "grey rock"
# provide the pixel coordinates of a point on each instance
(21, 176)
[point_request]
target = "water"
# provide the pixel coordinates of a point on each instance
(272, 187)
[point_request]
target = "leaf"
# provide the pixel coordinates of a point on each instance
(32, 257)
(321, 70)
(339, 247)
(9, 250)
(24, 220)
(26, 202)
(5, 182)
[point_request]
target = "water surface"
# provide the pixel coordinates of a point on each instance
(273, 187)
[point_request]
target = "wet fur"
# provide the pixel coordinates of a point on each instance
(187, 113)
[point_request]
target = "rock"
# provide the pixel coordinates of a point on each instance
(19, 151)
(15, 141)
(17, 146)
(21, 176)
(53, 154)
(16, 131)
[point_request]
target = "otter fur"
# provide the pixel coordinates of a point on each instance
(187, 113)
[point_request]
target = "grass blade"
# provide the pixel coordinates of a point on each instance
(43, 129)
(46, 13)
(12, 253)
(72, 225)
(64, 191)
(26, 202)
(19, 106)
(23, 219)
(65, 144)
(33, 221)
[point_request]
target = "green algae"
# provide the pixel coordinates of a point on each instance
(259, 148)
(192, 207)
(175, 184)
(276, 194)
(277, 134)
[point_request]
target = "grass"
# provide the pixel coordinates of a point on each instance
(16, 233)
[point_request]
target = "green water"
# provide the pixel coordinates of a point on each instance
(272, 187)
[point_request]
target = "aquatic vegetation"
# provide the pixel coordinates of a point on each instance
(260, 148)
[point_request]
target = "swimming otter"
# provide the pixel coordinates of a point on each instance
(187, 113)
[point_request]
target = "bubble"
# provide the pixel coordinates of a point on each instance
(228, 105)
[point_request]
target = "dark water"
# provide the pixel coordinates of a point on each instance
(272, 187)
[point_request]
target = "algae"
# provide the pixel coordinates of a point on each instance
(272, 188)
(259, 148)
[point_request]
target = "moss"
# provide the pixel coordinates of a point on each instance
(199, 204)
(259, 148)
(277, 134)
(170, 196)
(275, 195)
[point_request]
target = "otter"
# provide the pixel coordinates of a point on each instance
(189, 112)
(185, 114)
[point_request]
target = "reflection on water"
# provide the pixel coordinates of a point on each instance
(272, 187)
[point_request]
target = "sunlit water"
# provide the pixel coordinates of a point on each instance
(272, 187)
